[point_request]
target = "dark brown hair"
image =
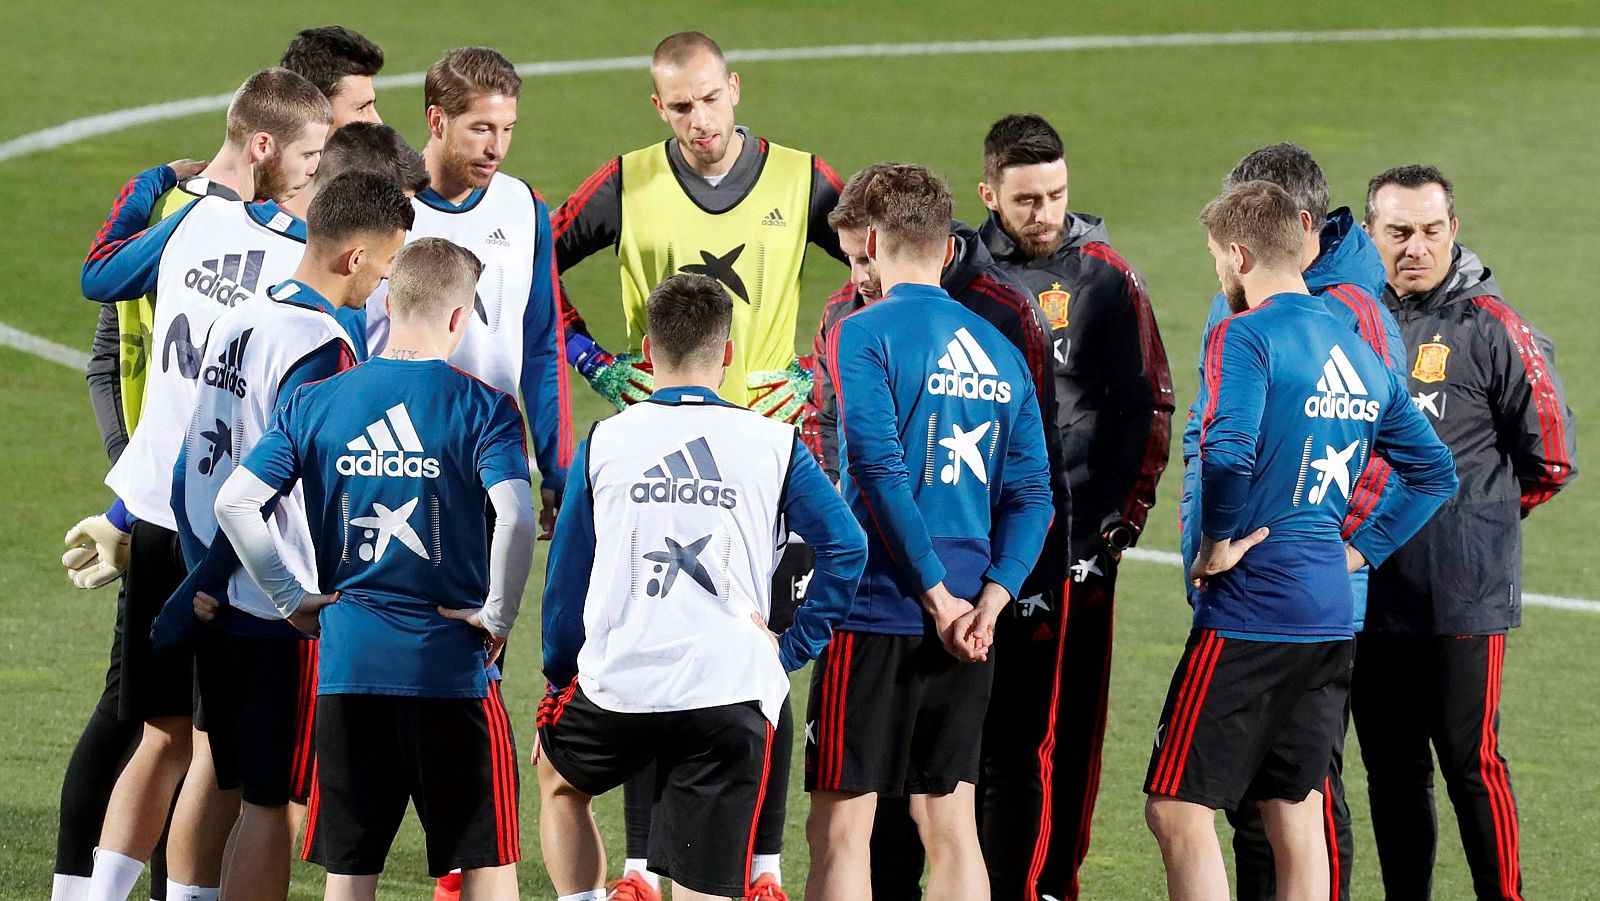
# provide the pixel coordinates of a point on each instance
(690, 316)
(1021, 139)
(851, 211)
(1412, 176)
(373, 147)
(324, 55)
(355, 202)
(466, 73)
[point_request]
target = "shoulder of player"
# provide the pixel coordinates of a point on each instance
(991, 287)
(1497, 322)
(1102, 264)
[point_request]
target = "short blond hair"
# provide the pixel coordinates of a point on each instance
(467, 73)
(278, 102)
(429, 275)
(1261, 217)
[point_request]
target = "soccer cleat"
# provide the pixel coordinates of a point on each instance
(448, 888)
(765, 888)
(631, 887)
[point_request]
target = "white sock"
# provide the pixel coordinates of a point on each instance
(598, 894)
(69, 888)
(114, 876)
(642, 867)
(177, 891)
(765, 863)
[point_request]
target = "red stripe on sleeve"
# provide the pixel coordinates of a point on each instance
(562, 218)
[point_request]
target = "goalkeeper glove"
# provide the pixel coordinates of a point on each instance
(783, 394)
(97, 552)
(623, 380)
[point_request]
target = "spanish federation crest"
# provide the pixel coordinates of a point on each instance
(1431, 359)
(1054, 303)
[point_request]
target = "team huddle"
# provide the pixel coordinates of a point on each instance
(321, 354)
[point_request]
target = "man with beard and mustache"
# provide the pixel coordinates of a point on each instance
(276, 126)
(1297, 405)
(1429, 665)
(1113, 411)
(515, 341)
(714, 200)
(978, 283)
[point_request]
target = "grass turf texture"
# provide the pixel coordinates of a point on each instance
(1150, 132)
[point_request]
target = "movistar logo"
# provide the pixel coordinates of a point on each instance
(227, 373)
(390, 447)
(967, 372)
(1343, 393)
(224, 280)
(687, 476)
(179, 345)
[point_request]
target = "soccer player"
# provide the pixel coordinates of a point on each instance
(471, 97)
(341, 63)
(975, 281)
(259, 725)
(1113, 412)
(1297, 402)
(276, 116)
(398, 459)
(657, 647)
(715, 200)
(945, 465)
(1342, 268)
(1429, 665)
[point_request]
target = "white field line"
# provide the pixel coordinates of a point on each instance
(119, 120)
(1168, 558)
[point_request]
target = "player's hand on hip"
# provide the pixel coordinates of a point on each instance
(187, 168)
(97, 552)
(1217, 557)
(1354, 560)
(307, 617)
(206, 607)
(473, 616)
(771, 636)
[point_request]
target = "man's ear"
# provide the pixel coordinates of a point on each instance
(351, 260)
(1455, 226)
(457, 319)
(435, 123)
(644, 351)
(655, 101)
(949, 251)
(733, 88)
(1310, 225)
(872, 243)
(727, 353)
(1240, 258)
(259, 147)
(991, 200)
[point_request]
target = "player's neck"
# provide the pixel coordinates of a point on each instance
(407, 342)
(1266, 284)
(299, 205)
(720, 167)
(707, 378)
(892, 273)
(230, 168)
(313, 273)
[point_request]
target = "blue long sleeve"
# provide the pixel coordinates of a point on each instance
(1425, 477)
(566, 585)
(1235, 375)
(876, 461)
(1023, 509)
(134, 205)
(124, 270)
(819, 515)
(546, 388)
(1191, 428)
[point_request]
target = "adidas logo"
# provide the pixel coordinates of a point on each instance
(775, 218)
(224, 281)
(390, 447)
(498, 238)
(226, 375)
(685, 477)
(1342, 392)
(968, 372)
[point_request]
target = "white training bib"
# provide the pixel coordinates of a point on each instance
(686, 503)
(217, 257)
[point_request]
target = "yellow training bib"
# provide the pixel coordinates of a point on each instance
(756, 250)
(135, 319)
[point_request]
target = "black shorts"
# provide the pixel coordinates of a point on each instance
(789, 583)
(454, 758)
(260, 699)
(711, 770)
(894, 714)
(1249, 720)
(153, 684)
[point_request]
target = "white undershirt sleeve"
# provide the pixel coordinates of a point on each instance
(238, 508)
(510, 554)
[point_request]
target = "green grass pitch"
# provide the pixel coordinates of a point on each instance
(1150, 132)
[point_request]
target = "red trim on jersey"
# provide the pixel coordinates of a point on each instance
(1035, 340)
(563, 217)
(1364, 497)
(1367, 314)
(838, 391)
(761, 797)
(313, 808)
(553, 705)
(1186, 713)
(1331, 833)
(305, 728)
(1047, 755)
(1492, 769)
(826, 171)
(564, 439)
(1552, 428)
(98, 248)
(502, 760)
